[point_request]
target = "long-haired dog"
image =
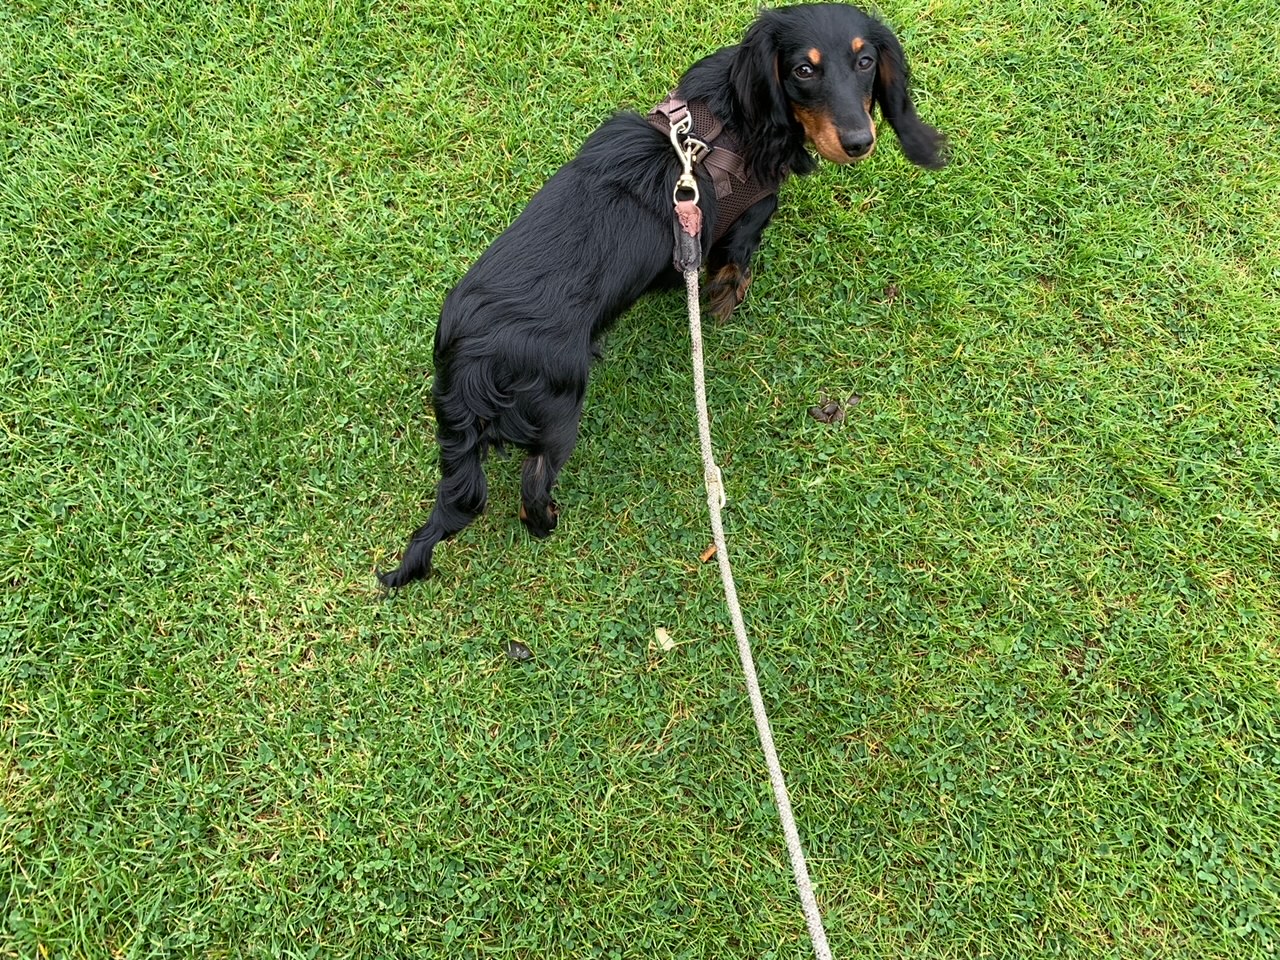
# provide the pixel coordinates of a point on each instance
(517, 335)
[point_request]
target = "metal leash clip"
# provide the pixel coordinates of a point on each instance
(690, 151)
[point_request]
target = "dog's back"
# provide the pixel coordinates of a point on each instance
(586, 246)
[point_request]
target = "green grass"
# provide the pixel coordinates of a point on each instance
(1016, 618)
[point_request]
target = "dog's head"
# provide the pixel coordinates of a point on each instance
(815, 73)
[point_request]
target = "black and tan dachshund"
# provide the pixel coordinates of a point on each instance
(517, 335)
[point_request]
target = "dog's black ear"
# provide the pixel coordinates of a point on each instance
(754, 75)
(766, 119)
(923, 145)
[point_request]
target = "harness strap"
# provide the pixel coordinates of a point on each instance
(673, 110)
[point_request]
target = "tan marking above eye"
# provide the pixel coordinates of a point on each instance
(815, 56)
(858, 44)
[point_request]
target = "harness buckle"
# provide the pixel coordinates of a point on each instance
(697, 149)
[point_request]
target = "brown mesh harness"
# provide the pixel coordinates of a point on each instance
(736, 189)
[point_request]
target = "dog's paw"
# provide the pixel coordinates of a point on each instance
(393, 580)
(727, 288)
(541, 526)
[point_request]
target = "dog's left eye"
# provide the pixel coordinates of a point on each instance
(866, 63)
(805, 71)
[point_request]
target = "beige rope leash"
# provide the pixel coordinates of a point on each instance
(716, 502)
(687, 257)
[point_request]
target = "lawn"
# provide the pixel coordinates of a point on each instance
(1016, 617)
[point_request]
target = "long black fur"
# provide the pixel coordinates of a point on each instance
(516, 336)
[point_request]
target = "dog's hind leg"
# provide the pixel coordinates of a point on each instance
(460, 497)
(539, 512)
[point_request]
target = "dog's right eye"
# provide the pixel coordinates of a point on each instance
(805, 71)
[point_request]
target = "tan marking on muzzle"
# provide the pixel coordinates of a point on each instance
(822, 133)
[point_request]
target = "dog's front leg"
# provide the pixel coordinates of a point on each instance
(729, 261)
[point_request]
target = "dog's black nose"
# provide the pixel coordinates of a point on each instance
(857, 144)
